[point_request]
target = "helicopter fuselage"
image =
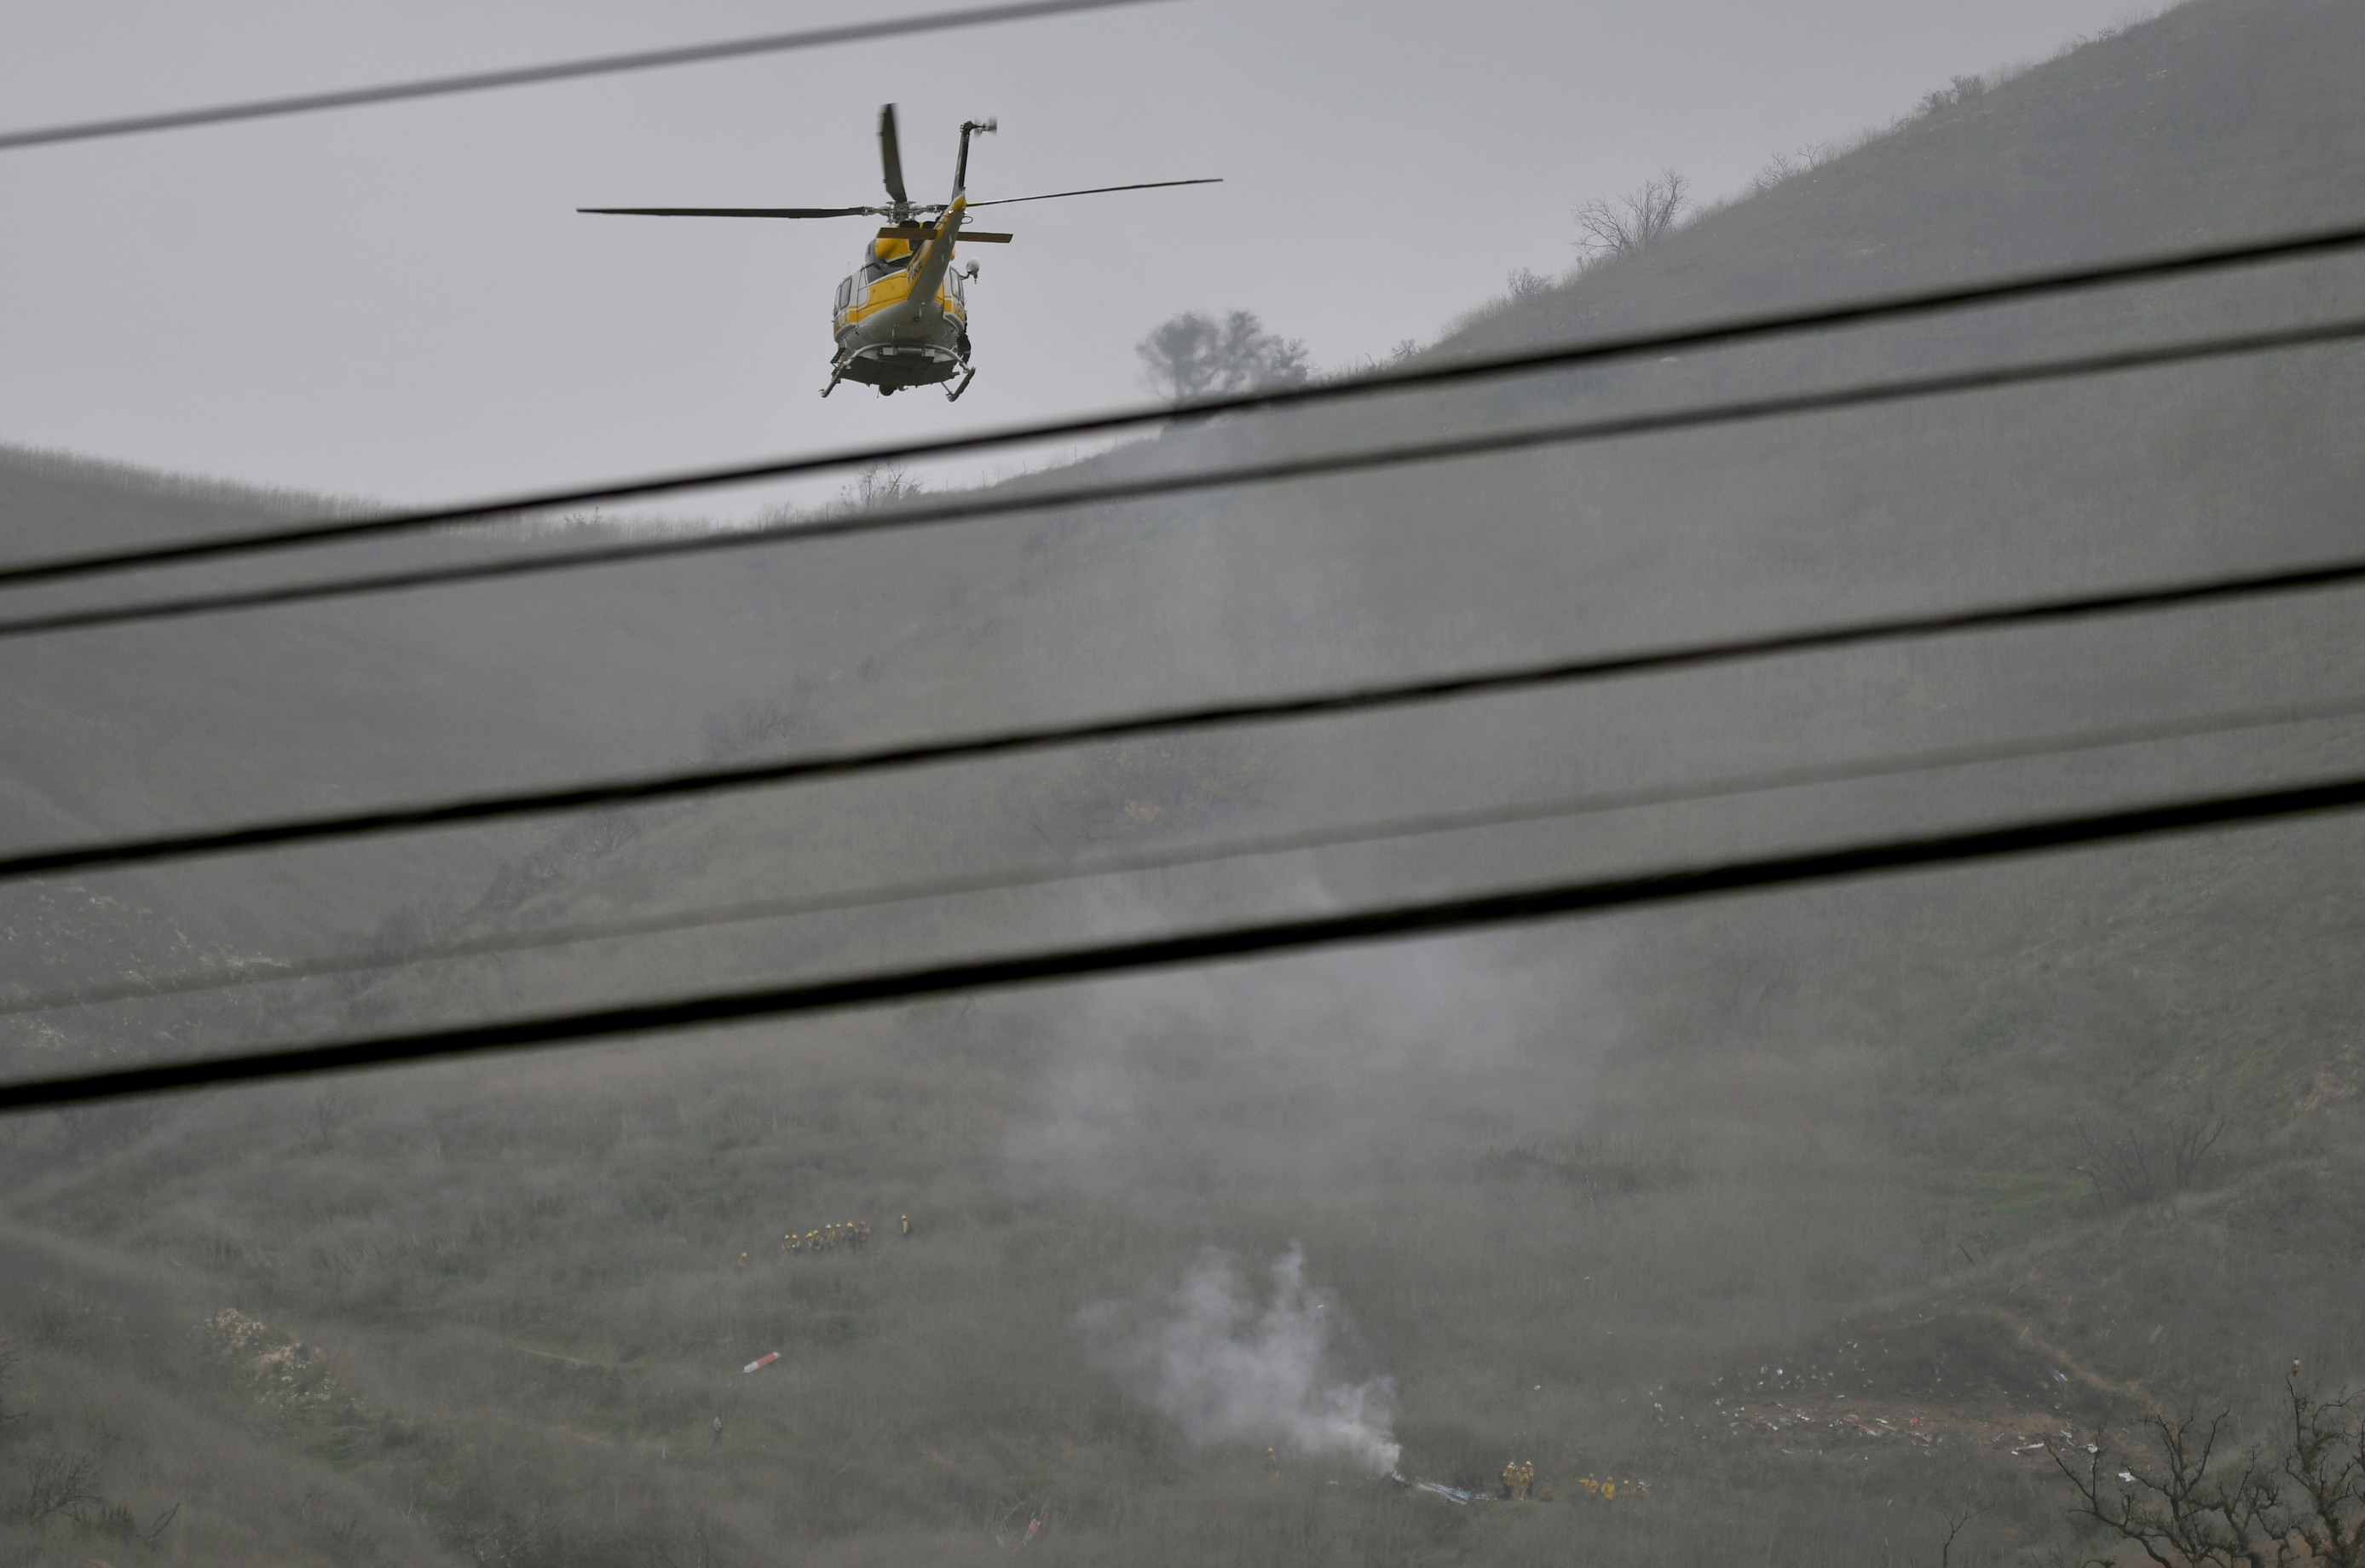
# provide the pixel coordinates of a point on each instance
(901, 319)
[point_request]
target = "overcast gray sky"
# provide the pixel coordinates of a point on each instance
(400, 302)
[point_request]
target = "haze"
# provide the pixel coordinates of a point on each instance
(402, 303)
(2004, 1212)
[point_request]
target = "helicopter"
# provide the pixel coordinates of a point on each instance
(902, 318)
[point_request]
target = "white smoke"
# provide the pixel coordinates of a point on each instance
(1226, 1371)
(1336, 1074)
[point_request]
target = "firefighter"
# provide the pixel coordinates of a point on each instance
(907, 1227)
(743, 1260)
(718, 1429)
(1271, 1463)
(1527, 1478)
(1510, 1479)
(862, 1233)
(788, 1242)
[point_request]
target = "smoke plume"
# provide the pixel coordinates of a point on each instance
(1228, 1371)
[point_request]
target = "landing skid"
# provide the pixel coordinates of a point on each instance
(838, 373)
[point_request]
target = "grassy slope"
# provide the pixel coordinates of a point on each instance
(1574, 1189)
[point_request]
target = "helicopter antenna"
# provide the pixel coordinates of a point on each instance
(961, 169)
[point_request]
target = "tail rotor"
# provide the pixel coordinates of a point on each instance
(961, 169)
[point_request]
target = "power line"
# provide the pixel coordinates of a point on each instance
(557, 71)
(1337, 702)
(1723, 333)
(1390, 830)
(1400, 454)
(1396, 922)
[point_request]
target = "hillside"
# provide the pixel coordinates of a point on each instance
(1800, 1219)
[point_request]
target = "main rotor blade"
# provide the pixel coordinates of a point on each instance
(733, 211)
(1097, 190)
(966, 237)
(890, 155)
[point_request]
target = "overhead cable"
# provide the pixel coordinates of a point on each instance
(1651, 342)
(1433, 917)
(1393, 830)
(1400, 454)
(555, 71)
(1332, 703)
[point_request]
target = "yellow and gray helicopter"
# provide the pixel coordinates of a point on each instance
(901, 319)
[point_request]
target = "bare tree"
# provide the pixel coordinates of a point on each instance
(880, 485)
(1960, 90)
(1789, 165)
(1399, 353)
(1633, 223)
(1955, 1520)
(2139, 1165)
(2188, 1507)
(1194, 355)
(332, 1109)
(56, 1482)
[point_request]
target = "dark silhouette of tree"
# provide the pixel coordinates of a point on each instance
(1632, 224)
(1960, 90)
(2138, 1165)
(55, 1483)
(880, 485)
(1524, 283)
(2186, 1506)
(1195, 355)
(1785, 166)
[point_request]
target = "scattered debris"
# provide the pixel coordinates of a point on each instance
(853, 1235)
(285, 1375)
(761, 1362)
